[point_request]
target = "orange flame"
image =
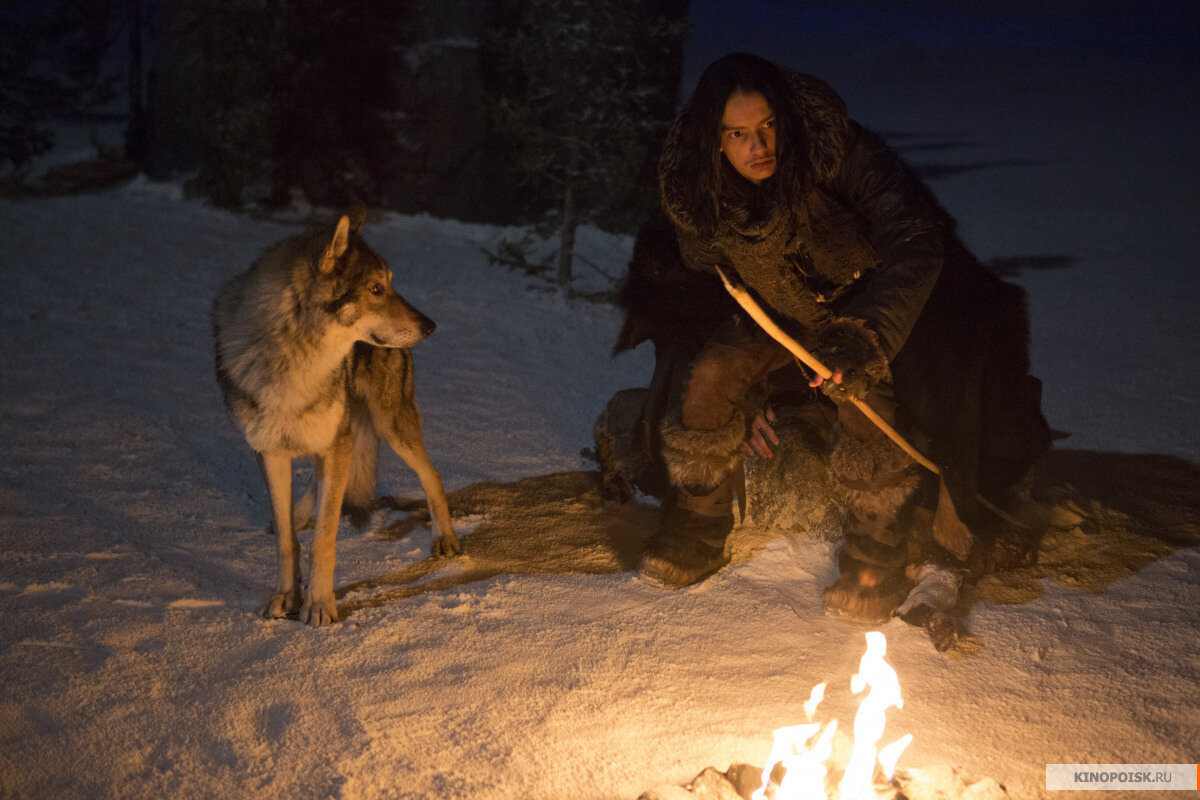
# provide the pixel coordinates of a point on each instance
(806, 766)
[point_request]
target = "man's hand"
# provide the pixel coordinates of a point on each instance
(761, 433)
(817, 380)
(852, 351)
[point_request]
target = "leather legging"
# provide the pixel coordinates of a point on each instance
(741, 354)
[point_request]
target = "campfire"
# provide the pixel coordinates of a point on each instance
(805, 751)
(814, 761)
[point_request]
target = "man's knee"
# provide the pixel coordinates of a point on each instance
(710, 396)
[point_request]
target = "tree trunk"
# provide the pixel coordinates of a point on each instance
(135, 134)
(570, 221)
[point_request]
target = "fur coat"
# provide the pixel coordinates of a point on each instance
(871, 245)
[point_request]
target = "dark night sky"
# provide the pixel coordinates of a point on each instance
(783, 30)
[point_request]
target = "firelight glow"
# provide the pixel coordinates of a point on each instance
(807, 766)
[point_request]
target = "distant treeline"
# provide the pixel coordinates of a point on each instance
(507, 111)
(489, 110)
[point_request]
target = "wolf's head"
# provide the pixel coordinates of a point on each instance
(355, 285)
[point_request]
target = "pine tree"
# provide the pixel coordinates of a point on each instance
(292, 94)
(585, 102)
(51, 63)
(245, 88)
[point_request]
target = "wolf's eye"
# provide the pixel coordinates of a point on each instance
(376, 289)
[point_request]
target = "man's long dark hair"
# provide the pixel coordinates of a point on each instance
(712, 185)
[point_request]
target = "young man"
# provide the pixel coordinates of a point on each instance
(764, 175)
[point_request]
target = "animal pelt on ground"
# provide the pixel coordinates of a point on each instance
(313, 357)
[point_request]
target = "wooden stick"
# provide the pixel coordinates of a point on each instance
(756, 312)
(752, 308)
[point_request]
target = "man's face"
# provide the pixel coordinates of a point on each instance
(748, 135)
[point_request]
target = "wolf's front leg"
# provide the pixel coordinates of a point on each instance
(445, 542)
(320, 606)
(277, 472)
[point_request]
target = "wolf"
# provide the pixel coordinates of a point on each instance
(313, 357)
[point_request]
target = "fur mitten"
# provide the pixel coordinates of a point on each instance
(850, 346)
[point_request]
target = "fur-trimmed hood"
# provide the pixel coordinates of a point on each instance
(823, 140)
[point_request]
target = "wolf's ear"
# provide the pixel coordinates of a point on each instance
(358, 215)
(336, 248)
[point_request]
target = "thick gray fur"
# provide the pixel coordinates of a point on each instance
(313, 356)
(865, 460)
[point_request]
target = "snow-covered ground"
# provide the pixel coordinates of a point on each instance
(133, 559)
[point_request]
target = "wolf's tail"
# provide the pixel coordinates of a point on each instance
(360, 490)
(302, 512)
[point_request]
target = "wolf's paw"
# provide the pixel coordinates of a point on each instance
(319, 612)
(446, 546)
(282, 604)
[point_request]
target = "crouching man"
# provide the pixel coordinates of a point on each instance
(765, 176)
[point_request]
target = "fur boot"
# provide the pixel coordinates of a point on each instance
(690, 543)
(704, 467)
(879, 480)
